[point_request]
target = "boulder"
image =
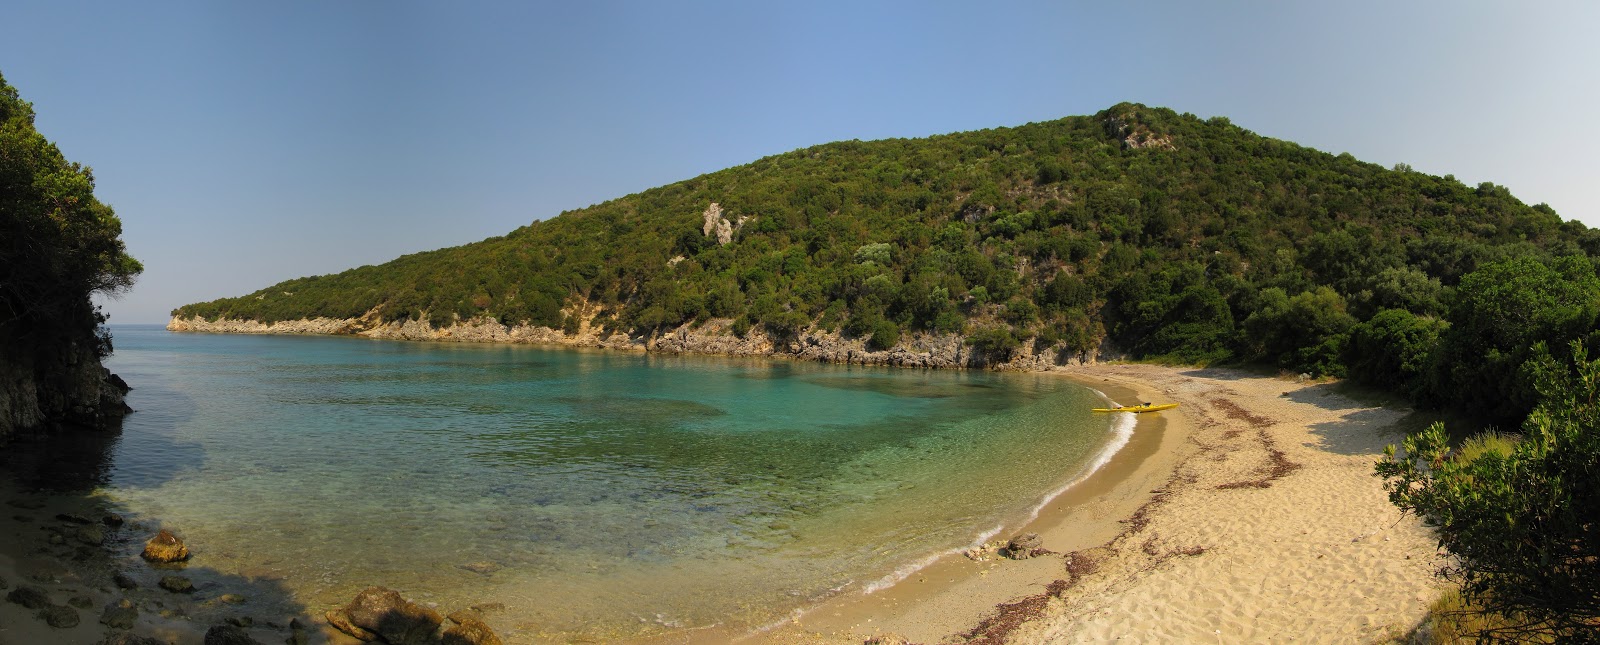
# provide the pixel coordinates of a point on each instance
(177, 584)
(116, 616)
(165, 547)
(1022, 546)
(384, 612)
(469, 632)
(29, 596)
(229, 635)
(59, 617)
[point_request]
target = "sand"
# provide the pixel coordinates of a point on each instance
(1249, 514)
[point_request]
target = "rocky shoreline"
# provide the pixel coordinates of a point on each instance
(715, 337)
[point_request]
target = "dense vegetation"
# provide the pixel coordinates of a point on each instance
(1164, 233)
(58, 244)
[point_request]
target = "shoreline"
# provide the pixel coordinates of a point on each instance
(1137, 535)
(1251, 515)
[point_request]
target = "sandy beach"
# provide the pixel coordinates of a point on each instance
(1248, 514)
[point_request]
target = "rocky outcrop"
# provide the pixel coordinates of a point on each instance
(45, 388)
(165, 547)
(927, 351)
(718, 225)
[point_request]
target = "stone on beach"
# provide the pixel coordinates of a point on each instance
(383, 612)
(165, 547)
(59, 616)
(1022, 546)
(29, 596)
(177, 584)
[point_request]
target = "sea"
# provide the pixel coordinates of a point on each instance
(581, 494)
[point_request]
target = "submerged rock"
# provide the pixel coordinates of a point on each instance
(470, 632)
(484, 567)
(177, 584)
(130, 639)
(382, 611)
(81, 602)
(229, 635)
(117, 616)
(124, 581)
(59, 617)
(29, 596)
(91, 535)
(165, 547)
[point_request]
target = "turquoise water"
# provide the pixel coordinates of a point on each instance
(599, 494)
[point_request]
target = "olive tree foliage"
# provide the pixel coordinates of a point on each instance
(58, 244)
(1523, 526)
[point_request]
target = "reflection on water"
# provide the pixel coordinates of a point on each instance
(605, 494)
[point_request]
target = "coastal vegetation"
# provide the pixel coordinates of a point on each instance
(58, 245)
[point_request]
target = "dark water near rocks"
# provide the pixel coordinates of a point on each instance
(595, 494)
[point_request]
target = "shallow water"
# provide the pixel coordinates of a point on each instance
(600, 494)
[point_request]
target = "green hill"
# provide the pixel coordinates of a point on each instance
(1162, 233)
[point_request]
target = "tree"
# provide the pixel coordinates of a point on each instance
(1500, 312)
(58, 244)
(1391, 350)
(1522, 526)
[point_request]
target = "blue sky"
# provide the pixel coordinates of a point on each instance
(247, 143)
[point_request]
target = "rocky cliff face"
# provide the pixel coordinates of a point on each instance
(46, 388)
(714, 337)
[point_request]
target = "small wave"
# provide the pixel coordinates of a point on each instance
(1121, 428)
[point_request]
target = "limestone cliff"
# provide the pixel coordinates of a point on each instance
(714, 337)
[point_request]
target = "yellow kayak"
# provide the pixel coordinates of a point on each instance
(1142, 407)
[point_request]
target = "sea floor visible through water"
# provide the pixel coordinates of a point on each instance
(594, 494)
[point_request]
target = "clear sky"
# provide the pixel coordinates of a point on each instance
(247, 143)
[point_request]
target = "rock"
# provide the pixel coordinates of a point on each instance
(112, 520)
(886, 639)
(489, 607)
(242, 621)
(341, 622)
(231, 598)
(55, 538)
(29, 596)
(295, 623)
(81, 602)
(116, 616)
(1021, 547)
(130, 639)
(4, 584)
(384, 612)
(73, 518)
(297, 637)
(59, 617)
(91, 535)
(484, 567)
(229, 635)
(177, 584)
(471, 632)
(165, 547)
(124, 581)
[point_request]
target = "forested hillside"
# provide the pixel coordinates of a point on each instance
(1162, 233)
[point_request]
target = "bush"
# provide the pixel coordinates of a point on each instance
(884, 336)
(1521, 522)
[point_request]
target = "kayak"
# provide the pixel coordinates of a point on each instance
(1143, 407)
